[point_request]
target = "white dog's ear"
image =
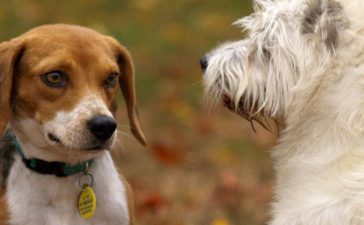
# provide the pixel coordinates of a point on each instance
(10, 53)
(324, 18)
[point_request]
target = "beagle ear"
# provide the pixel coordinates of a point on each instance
(10, 53)
(127, 84)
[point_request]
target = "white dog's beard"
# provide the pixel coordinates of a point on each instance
(247, 113)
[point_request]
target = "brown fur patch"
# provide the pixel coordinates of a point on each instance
(3, 209)
(9, 56)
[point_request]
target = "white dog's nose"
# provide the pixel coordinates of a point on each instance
(102, 127)
(204, 62)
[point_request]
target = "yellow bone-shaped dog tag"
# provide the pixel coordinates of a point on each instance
(87, 203)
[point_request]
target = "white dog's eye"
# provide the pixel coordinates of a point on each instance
(111, 80)
(55, 79)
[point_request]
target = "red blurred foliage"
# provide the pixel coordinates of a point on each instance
(229, 190)
(150, 202)
(167, 154)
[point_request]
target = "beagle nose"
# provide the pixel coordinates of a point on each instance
(204, 62)
(102, 127)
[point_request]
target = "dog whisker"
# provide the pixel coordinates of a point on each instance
(124, 134)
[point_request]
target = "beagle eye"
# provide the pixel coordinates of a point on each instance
(54, 79)
(111, 80)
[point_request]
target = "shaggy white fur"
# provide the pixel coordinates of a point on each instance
(302, 64)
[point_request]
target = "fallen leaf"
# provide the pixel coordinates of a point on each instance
(167, 153)
(220, 221)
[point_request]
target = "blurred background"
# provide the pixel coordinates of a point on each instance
(202, 166)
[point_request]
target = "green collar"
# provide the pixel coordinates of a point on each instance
(58, 169)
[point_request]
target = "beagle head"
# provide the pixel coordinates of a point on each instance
(58, 86)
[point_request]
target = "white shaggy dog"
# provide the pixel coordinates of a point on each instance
(302, 65)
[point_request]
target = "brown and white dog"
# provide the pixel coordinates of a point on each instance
(58, 86)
